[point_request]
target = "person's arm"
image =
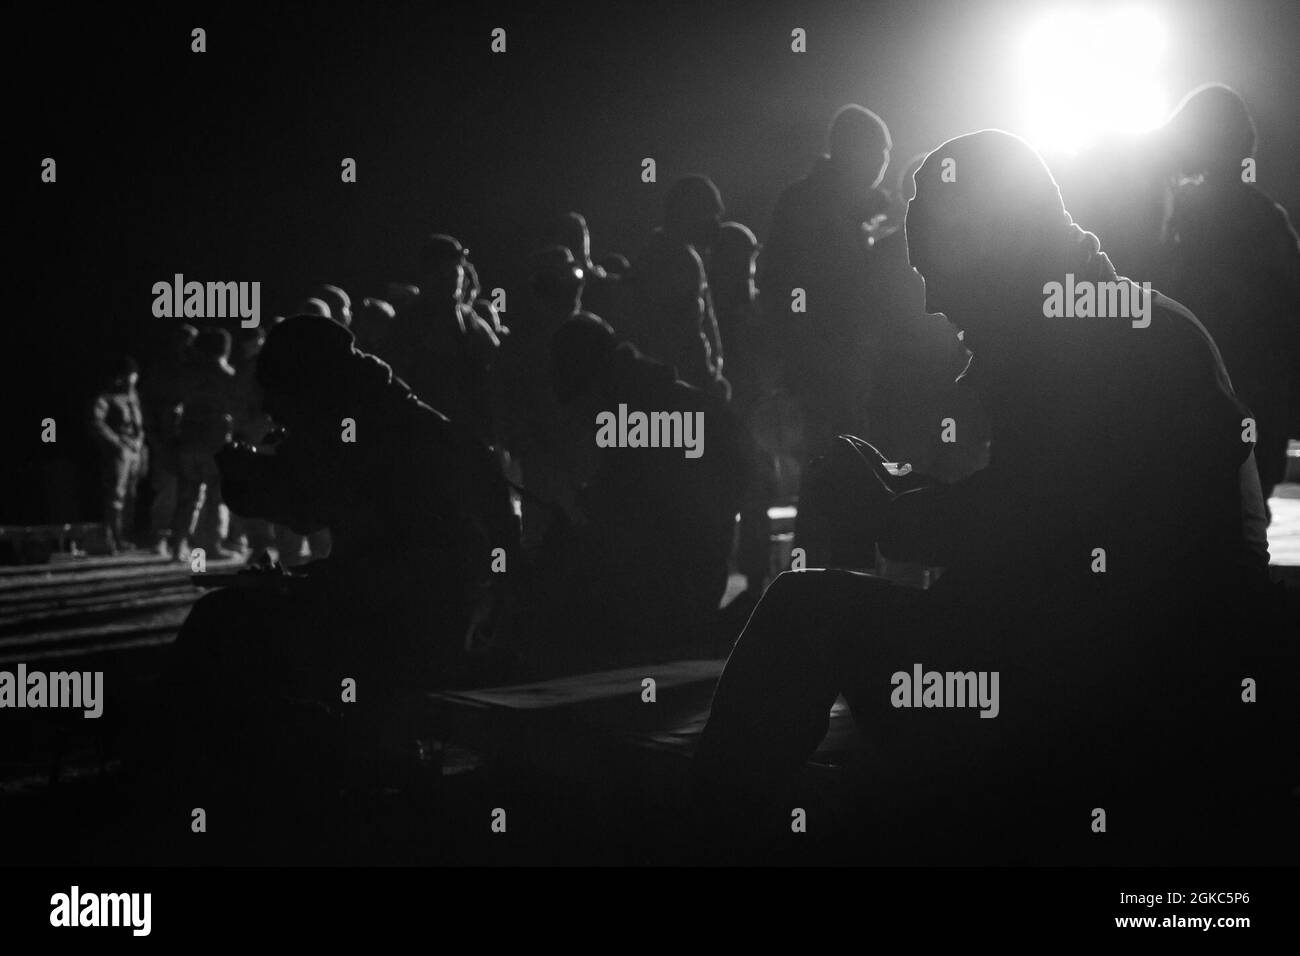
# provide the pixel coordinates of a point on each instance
(100, 427)
(267, 486)
(932, 524)
(712, 335)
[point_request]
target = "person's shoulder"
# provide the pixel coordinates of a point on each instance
(797, 191)
(1187, 350)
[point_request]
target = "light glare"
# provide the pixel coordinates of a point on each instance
(1085, 74)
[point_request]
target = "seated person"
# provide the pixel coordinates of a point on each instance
(644, 566)
(1104, 565)
(415, 505)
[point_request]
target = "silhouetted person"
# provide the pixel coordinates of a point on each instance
(615, 264)
(117, 426)
(529, 417)
(202, 519)
(373, 325)
(601, 291)
(920, 357)
(669, 314)
(315, 306)
(1235, 262)
(1105, 565)
(819, 244)
(338, 301)
(415, 505)
(440, 347)
(249, 424)
(472, 299)
(163, 390)
(1121, 188)
(641, 569)
(750, 372)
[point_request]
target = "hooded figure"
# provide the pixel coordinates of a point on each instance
(1107, 565)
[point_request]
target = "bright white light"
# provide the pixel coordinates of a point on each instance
(1085, 73)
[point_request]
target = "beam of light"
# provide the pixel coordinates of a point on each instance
(1086, 73)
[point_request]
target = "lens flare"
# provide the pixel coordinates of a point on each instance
(1086, 73)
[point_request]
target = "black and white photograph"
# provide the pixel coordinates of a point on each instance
(664, 437)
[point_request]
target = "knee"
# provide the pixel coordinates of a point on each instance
(810, 585)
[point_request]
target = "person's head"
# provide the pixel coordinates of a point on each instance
(985, 227)
(693, 211)
(374, 324)
(442, 266)
(615, 264)
(181, 339)
(1210, 132)
(376, 312)
(556, 280)
(250, 342)
(400, 294)
(907, 179)
(340, 305)
(301, 370)
(570, 230)
(732, 269)
(858, 144)
(121, 373)
(579, 349)
(314, 306)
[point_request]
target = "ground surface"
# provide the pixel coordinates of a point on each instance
(65, 792)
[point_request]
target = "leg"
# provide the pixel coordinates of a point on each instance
(135, 461)
(117, 479)
(189, 503)
(163, 513)
(813, 635)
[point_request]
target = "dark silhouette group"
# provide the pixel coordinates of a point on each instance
(1090, 493)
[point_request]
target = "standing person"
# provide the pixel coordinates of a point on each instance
(1235, 262)
(819, 246)
(440, 346)
(163, 388)
(202, 519)
(249, 424)
(117, 426)
(750, 374)
(670, 314)
(601, 292)
(528, 416)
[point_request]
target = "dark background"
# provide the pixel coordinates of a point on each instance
(225, 165)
